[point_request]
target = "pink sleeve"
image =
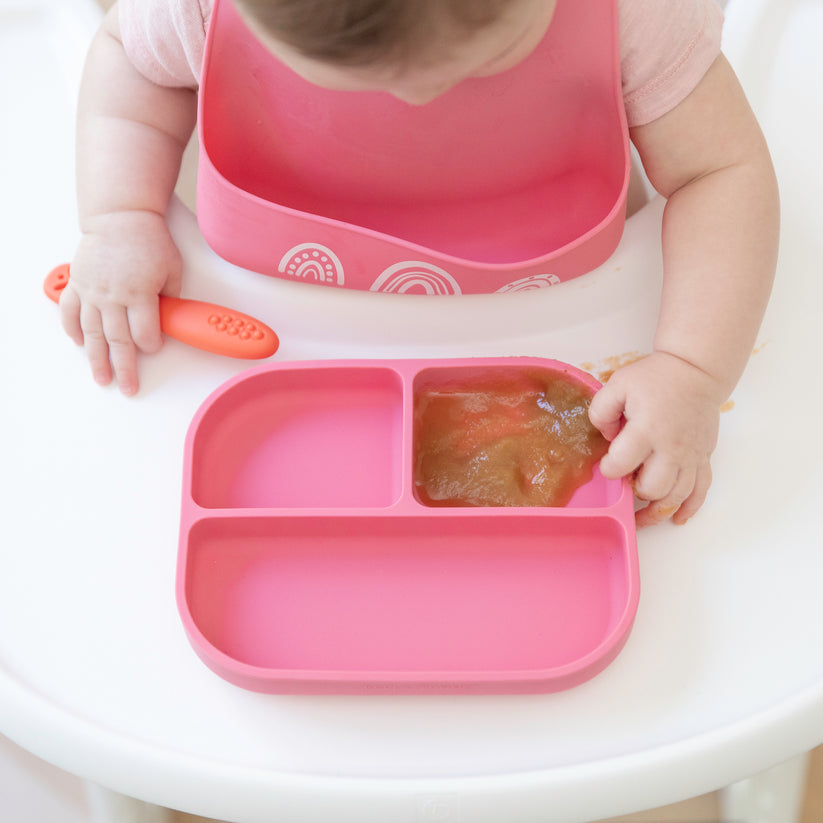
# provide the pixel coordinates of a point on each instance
(165, 39)
(666, 48)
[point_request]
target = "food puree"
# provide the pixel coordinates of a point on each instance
(519, 439)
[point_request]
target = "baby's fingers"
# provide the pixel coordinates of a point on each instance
(682, 502)
(96, 345)
(668, 505)
(109, 347)
(122, 351)
(657, 478)
(70, 315)
(626, 453)
(606, 412)
(144, 325)
(697, 497)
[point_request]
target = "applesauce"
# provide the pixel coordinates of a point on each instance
(520, 438)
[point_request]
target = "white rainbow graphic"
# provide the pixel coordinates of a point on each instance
(536, 281)
(311, 261)
(413, 275)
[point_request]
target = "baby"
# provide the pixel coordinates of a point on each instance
(697, 138)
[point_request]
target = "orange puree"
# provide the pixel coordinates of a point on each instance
(520, 439)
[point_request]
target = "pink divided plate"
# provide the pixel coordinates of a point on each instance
(308, 565)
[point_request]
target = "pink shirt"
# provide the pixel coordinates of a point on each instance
(666, 46)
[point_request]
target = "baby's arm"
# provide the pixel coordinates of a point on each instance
(720, 238)
(131, 135)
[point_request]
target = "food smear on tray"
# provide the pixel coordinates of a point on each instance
(519, 439)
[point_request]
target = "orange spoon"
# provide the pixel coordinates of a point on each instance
(205, 326)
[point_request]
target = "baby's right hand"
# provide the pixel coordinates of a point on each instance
(110, 305)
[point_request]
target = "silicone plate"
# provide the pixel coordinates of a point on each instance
(307, 564)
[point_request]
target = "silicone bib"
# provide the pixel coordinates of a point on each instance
(507, 182)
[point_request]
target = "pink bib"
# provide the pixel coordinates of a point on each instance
(504, 183)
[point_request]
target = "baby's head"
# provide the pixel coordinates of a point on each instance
(414, 49)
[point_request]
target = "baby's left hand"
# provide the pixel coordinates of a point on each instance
(662, 416)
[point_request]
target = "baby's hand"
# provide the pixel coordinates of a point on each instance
(662, 416)
(124, 260)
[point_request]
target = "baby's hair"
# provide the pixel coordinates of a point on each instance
(369, 32)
